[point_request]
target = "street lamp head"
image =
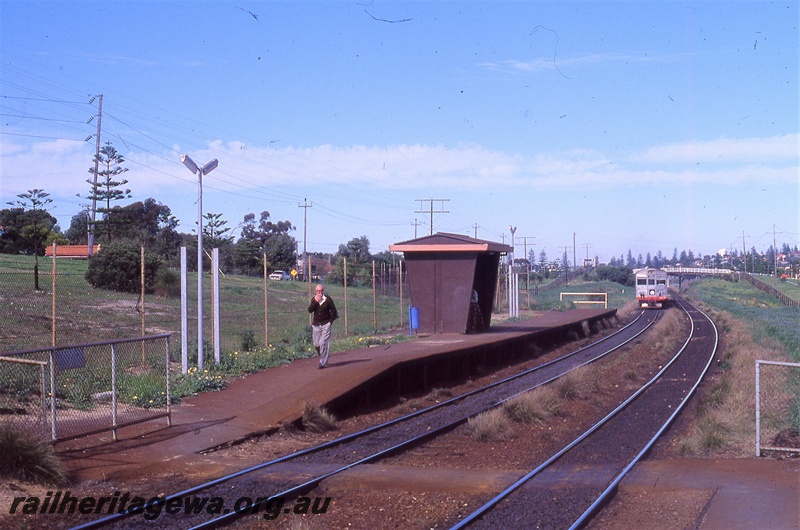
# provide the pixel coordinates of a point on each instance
(211, 166)
(189, 163)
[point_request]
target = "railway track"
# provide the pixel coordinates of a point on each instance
(609, 448)
(367, 446)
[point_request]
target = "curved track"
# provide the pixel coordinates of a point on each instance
(611, 447)
(372, 444)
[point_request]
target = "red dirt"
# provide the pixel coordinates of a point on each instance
(442, 481)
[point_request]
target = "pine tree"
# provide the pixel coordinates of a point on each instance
(107, 190)
(38, 225)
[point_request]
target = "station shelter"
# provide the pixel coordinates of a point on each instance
(453, 281)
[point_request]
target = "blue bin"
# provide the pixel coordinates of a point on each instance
(413, 318)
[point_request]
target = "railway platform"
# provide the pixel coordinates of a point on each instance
(263, 402)
(740, 493)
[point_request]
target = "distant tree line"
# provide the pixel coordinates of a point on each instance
(28, 228)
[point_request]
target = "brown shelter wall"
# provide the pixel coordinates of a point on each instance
(442, 284)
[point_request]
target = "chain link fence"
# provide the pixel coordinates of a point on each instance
(767, 288)
(777, 406)
(71, 391)
(66, 309)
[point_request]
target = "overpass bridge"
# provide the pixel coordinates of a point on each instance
(695, 271)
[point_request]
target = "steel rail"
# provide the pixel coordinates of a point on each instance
(486, 507)
(430, 434)
(606, 495)
(97, 523)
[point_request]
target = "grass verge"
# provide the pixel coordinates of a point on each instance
(752, 326)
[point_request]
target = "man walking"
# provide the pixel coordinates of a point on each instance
(324, 311)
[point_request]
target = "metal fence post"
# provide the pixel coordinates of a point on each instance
(43, 385)
(52, 396)
(114, 389)
(184, 314)
(215, 298)
(169, 387)
(758, 408)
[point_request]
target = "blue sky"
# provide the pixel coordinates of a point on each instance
(639, 126)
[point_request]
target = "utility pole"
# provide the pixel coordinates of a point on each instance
(528, 268)
(96, 169)
(525, 248)
(415, 224)
(744, 253)
(587, 252)
(775, 251)
(475, 226)
(574, 257)
(306, 262)
(513, 279)
(431, 211)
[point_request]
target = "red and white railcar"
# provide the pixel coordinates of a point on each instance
(652, 287)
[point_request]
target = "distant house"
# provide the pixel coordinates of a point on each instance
(71, 251)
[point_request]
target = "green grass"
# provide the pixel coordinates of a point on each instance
(618, 296)
(754, 325)
(85, 314)
(766, 316)
(789, 287)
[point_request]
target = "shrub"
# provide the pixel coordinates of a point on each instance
(317, 419)
(117, 267)
(167, 282)
(195, 382)
(490, 425)
(576, 384)
(249, 342)
(146, 390)
(27, 457)
(712, 434)
(534, 406)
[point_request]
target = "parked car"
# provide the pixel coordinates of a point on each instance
(280, 275)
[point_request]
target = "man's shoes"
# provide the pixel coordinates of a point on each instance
(320, 367)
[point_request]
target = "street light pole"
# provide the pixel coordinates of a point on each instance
(513, 302)
(199, 171)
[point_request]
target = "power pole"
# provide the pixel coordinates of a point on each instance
(475, 226)
(415, 224)
(775, 251)
(306, 262)
(744, 253)
(431, 211)
(574, 257)
(528, 269)
(96, 169)
(525, 248)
